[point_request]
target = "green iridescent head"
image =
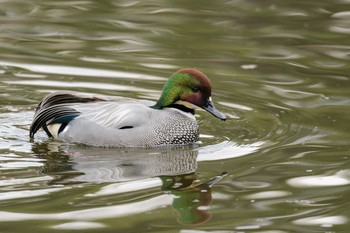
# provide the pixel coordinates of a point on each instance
(191, 88)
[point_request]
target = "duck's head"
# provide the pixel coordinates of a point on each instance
(188, 88)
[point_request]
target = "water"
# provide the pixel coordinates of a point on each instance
(279, 70)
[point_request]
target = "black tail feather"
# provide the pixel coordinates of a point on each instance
(55, 108)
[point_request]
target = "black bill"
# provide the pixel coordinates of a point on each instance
(211, 109)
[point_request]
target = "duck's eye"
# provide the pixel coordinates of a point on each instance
(195, 89)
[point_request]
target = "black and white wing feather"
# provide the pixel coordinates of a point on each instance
(56, 109)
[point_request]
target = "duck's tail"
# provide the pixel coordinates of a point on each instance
(55, 111)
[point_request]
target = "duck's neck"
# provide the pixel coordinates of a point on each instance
(166, 100)
(181, 105)
(172, 90)
(182, 108)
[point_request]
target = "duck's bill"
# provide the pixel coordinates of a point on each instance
(211, 109)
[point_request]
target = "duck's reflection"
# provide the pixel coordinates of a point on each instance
(191, 197)
(174, 166)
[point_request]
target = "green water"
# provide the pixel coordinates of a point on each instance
(279, 70)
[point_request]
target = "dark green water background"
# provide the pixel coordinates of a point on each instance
(280, 70)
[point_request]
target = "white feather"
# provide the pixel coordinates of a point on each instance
(53, 129)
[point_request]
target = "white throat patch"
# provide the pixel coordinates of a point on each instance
(186, 104)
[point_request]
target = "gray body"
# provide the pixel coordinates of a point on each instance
(113, 122)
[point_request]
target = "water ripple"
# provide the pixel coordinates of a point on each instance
(323, 221)
(79, 71)
(114, 211)
(29, 193)
(90, 85)
(338, 179)
(226, 150)
(78, 225)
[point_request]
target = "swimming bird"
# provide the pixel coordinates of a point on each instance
(124, 122)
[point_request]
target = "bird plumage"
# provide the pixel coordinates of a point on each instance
(123, 122)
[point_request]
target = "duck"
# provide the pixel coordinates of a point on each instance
(108, 121)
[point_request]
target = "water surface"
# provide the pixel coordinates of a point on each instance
(279, 70)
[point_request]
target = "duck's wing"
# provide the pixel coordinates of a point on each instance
(56, 110)
(115, 114)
